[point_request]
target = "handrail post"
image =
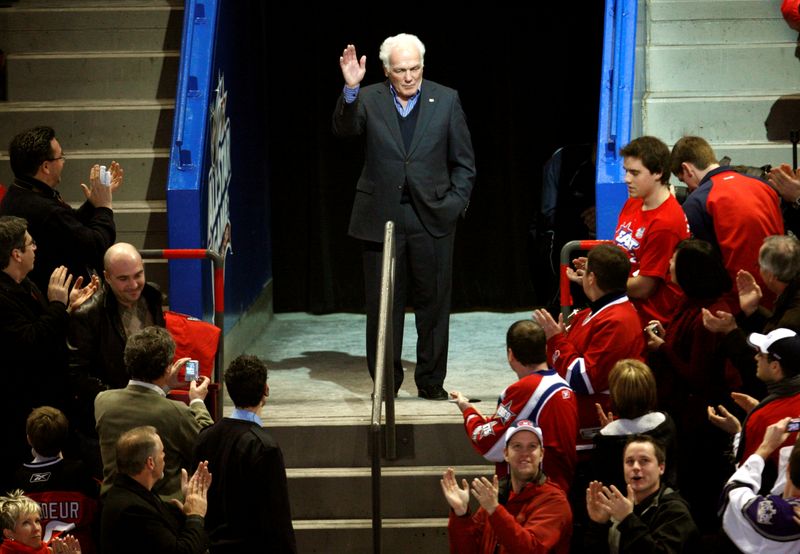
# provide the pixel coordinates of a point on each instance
(218, 263)
(566, 255)
(383, 386)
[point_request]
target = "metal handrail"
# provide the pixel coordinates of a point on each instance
(566, 251)
(383, 387)
(219, 302)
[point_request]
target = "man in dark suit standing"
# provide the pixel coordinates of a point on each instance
(418, 172)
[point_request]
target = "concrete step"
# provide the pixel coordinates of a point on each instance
(105, 75)
(93, 124)
(78, 26)
(737, 118)
(142, 223)
(419, 444)
(723, 69)
(316, 493)
(354, 536)
(685, 10)
(721, 31)
(756, 154)
(145, 173)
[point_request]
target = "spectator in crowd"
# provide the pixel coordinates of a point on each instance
(691, 372)
(779, 266)
(64, 488)
(20, 518)
(634, 400)
(135, 519)
(148, 357)
(539, 395)
(757, 523)
(731, 211)
(778, 366)
(76, 239)
(648, 516)
(524, 512)
(123, 306)
(650, 225)
(598, 336)
(33, 333)
(244, 457)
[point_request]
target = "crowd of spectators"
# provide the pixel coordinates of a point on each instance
(686, 369)
(687, 355)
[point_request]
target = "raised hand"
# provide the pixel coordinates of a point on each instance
(58, 287)
(195, 491)
(117, 175)
(78, 295)
(786, 182)
(596, 503)
(654, 333)
(457, 497)
(549, 325)
(605, 418)
(97, 193)
(66, 544)
(744, 401)
(353, 69)
(724, 420)
(722, 322)
(749, 291)
(485, 492)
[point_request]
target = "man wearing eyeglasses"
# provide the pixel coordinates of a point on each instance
(418, 172)
(76, 239)
(33, 338)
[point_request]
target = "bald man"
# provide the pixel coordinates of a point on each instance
(124, 305)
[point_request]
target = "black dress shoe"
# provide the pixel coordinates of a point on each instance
(433, 393)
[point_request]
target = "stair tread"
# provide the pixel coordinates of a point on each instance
(92, 104)
(77, 54)
(301, 524)
(329, 472)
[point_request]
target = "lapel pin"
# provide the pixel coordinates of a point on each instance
(431, 100)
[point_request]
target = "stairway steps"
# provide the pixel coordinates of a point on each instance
(86, 124)
(76, 28)
(405, 492)
(723, 68)
(106, 75)
(723, 118)
(399, 536)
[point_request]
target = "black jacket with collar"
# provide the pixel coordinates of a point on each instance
(135, 520)
(98, 337)
(77, 239)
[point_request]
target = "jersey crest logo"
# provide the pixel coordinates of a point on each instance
(40, 477)
(765, 512)
(639, 233)
(625, 238)
(482, 431)
(504, 412)
(556, 354)
(565, 394)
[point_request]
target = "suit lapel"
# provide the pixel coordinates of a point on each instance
(389, 113)
(426, 104)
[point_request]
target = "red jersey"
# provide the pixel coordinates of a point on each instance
(585, 354)
(545, 399)
(649, 237)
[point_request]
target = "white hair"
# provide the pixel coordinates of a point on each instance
(402, 39)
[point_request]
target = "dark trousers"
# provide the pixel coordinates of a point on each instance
(424, 266)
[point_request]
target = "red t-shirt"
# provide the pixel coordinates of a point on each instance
(649, 237)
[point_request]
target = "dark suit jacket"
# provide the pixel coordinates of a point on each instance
(137, 521)
(249, 490)
(439, 166)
